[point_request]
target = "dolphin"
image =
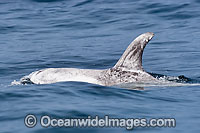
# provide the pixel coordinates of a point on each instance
(128, 69)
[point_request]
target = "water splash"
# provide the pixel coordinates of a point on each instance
(23, 81)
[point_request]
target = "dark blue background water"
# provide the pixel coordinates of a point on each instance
(37, 34)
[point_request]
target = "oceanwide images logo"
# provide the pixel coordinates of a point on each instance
(129, 123)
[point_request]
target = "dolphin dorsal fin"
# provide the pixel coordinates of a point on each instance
(132, 57)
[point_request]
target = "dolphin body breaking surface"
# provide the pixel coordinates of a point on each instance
(127, 70)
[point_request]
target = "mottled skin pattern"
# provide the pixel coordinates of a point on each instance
(128, 69)
(114, 76)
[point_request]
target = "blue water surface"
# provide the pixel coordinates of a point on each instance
(92, 34)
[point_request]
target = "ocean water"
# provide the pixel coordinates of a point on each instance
(91, 34)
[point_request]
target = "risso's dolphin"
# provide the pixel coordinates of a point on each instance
(128, 69)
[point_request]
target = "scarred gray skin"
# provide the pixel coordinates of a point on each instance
(127, 70)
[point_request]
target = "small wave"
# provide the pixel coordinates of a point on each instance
(83, 3)
(46, 0)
